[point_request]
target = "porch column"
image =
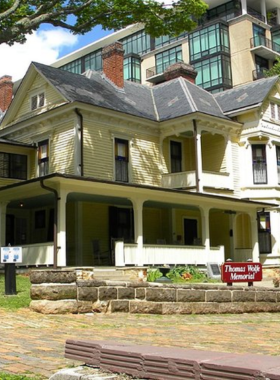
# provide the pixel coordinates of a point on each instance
(61, 228)
(205, 228)
(254, 233)
(244, 6)
(138, 229)
(229, 159)
(3, 212)
(198, 158)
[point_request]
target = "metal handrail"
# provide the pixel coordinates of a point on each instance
(262, 41)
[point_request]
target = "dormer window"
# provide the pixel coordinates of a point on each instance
(275, 111)
(37, 101)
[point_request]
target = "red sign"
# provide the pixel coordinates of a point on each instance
(241, 272)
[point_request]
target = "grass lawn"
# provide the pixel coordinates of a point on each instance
(21, 299)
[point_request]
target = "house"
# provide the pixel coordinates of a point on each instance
(96, 170)
(233, 44)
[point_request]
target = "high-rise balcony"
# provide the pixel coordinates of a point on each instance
(264, 47)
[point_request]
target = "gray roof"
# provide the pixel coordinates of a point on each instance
(245, 96)
(175, 98)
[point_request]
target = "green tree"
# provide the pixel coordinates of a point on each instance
(275, 70)
(21, 17)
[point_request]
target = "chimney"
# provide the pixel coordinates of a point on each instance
(6, 92)
(180, 69)
(112, 56)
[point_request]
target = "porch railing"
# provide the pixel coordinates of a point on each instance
(128, 254)
(185, 180)
(37, 254)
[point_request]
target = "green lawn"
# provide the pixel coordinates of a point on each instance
(21, 299)
(6, 376)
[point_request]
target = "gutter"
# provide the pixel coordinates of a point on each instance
(197, 179)
(55, 247)
(81, 129)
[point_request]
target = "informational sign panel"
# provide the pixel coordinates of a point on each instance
(213, 270)
(241, 272)
(11, 255)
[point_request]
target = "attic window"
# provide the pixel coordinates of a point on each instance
(37, 101)
(275, 111)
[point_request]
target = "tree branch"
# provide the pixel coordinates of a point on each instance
(11, 10)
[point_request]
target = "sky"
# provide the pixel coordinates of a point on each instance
(44, 46)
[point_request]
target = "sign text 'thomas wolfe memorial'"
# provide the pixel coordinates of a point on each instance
(241, 272)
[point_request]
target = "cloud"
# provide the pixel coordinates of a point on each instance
(42, 46)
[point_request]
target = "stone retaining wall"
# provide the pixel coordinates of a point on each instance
(72, 291)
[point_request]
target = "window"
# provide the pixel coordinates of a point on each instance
(121, 160)
(37, 101)
(258, 35)
(74, 66)
(43, 158)
(167, 58)
(278, 162)
(137, 43)
(132, 69)
(93, 61)
(259, 164)
(226, 11)
(210, 40)
(176, 156)
(275, 111)
(166, 40)
(13, 166)
(264, 232)
(261, 66)
(214, 73)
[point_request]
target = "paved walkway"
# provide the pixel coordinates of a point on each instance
(34, 343)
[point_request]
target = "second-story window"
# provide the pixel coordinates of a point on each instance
(259, 164)
(278, 162)
(13, 165)
(176, 156)
(275, 111)
(121, 160)
(43, 158)
(37, 101)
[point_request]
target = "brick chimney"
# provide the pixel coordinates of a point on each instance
(6, 92)
(180, 69)
(112, 56)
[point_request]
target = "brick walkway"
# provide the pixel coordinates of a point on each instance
(34, 343)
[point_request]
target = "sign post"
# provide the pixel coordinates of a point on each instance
(10, 256)
(241, 272)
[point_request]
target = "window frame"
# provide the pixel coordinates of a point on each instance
(121, 159)
(264, 232)
(176, 160)
(43, 162)
(37, 100)
(10, 167)
(259, 165)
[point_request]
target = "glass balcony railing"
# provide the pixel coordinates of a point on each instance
(159, 69)
(259, 74)
(262, 41)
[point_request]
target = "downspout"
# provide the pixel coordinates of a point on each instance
(55, 220)
(81, 129)
(197, 179)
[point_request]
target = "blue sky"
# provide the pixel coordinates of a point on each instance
(44, 46)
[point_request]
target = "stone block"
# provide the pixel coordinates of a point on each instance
(161, 295)
(243, 296)
(55, 307)
(231, 308)
(84, 307)
(52, 276)
(190, 295)
(101, 307)
(53, 292)
(140, 293)
(107, 293)
(205, 308)
(120, 306)
(261, 307)
(176, 308)
(126, 293)
(91, 283)
(87, 294)
(267, 296)
(218, 296)
(139, 307)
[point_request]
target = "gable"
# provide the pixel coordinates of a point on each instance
(23, 105)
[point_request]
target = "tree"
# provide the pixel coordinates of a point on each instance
(275, 70)
(21, 17)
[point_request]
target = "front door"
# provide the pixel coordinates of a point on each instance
(190, 231)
